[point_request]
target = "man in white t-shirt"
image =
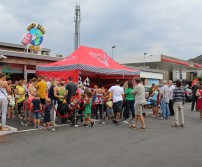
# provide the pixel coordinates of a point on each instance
(48, 83)
(117, 93)
(171, 87)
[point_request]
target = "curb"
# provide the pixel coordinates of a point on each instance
(13, 130)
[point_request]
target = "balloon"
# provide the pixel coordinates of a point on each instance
(26, 39)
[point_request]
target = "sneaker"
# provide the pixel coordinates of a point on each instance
(175, 126)
(125, 121)
(36, 127)
(93, 124)
(22, 123)
(85, 125)
(26, 124)
(182, 125)
(114, 121)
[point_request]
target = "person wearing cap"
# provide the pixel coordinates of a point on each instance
(117, 96)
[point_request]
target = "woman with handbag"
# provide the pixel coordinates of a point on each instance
(199, 100)
(4, 90)
(20, 96)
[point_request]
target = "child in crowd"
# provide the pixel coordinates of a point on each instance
(47, 112)
(109, 110)
(26, 111)
(87, 111)
(11, 105)
(154, 99)
(37, 107)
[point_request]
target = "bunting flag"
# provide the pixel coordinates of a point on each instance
(86, 83)
(79, 81)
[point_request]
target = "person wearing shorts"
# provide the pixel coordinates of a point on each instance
(154, 99)
(37, 108)
(117, 93)
(109, 110)
(140, 101)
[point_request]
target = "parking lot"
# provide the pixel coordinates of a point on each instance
(108, 145)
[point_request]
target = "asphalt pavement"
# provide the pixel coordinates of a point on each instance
(160, 145)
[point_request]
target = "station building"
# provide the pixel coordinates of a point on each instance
(172, 68)
(18, 62)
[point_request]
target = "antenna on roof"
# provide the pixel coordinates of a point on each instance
(77, 21)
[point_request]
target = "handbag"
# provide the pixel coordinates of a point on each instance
(17, 96)
(198, 93)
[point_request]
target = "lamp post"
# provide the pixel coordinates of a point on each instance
(112, 50)
(144, 59)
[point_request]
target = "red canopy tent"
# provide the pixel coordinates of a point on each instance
(87, 62)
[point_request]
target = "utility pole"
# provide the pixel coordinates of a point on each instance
(77, 21)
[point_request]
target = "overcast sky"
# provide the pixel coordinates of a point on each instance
(173, 27)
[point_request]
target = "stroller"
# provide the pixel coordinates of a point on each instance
(66, 109)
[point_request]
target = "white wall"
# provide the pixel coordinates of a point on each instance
(199, 73)
(144, 74)
(139, 59)
(176, 75)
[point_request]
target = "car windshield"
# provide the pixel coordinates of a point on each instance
(147, 89)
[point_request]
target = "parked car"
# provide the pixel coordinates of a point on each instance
(188, 94)
(147, 88)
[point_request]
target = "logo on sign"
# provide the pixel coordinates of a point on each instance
(100, 57)
(70, 57)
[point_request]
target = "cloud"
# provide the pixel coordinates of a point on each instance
(156, 27)
(9, 25)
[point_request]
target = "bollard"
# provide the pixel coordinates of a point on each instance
(75, 124)
(103, 122)
(53, 118)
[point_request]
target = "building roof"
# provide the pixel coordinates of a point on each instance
(192, 63)
(197, 59)
(12, 45)
(28, 55)
(146, 69)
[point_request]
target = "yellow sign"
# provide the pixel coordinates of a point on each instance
(35, 48)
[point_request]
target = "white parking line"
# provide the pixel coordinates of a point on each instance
(28, 130)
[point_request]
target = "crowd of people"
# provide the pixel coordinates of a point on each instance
(41, 97)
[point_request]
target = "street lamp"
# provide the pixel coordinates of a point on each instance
(112, 50)
(144, 59)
